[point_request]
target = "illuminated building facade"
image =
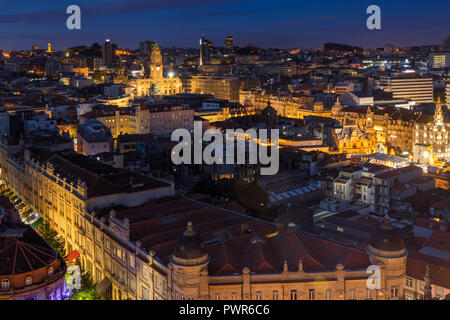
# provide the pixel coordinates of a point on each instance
(289, 106)
(439, 60)
(229, 43)
(127, 240)
(393, 127)
(435, 134)
(156, 84)
(419, 90)
(221, 87)
(447, 92)
(157, 119)
(65, 188)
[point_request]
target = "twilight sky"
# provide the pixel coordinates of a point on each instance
(265, 23)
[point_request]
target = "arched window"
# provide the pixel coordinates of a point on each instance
(50, 272)
(28, 281)
(5, 284)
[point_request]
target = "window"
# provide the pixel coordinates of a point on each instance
(28, 281)
(328, 294)
(145, 273)
(368, 294)
(5, 284)
(234, 296)
(409, 282)
(293, 295)
(132, 261)
(275, 295)
(394, 293)
(98, 275)
(217, 296)
(258, 295)
(311, 294)
(352, 294)
(50, 272)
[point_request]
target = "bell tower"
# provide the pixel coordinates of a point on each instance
(438, 115)
(156, 65)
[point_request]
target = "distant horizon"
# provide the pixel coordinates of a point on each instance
(44, 46)
(285, 24)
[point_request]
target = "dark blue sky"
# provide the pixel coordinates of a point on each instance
(265, 23)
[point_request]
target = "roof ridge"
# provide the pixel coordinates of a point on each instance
(32, 253)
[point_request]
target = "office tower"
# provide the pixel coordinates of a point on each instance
(145, 47)
(229, 45)
(156, 65)
(108, 53)
(447, 93)
(419, 90)
(439, 60)
(205, 50)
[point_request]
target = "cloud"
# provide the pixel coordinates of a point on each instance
(216, 14)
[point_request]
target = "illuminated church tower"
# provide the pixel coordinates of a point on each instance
(438, 115)
(156, 65)
(49, 47)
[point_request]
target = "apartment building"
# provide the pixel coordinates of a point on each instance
(419, 90)
(159, 119)
(67, 188)
(379, 187)
(288, 105)
(221, 87)
(130, 233)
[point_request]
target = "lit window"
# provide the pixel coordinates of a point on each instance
(50, 272)
(275, 295)
(258, 295)
(5, 284)
(293, 294)
(352, 294)
(328, 294)
(311, 294)
(394, 293)
(409, 282)
(28, 281)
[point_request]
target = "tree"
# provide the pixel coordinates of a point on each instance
(52, 238)
(88, 288)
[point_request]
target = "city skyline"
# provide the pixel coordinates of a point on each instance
(264, 25)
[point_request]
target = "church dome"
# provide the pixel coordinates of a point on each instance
(387, 238)
(190, 245)
(337, 106)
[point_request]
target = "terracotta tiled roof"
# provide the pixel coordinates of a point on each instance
(234, 241)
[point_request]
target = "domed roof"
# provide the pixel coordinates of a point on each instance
(386, 237)
(269, 110)
(190, 245)
(337, 106)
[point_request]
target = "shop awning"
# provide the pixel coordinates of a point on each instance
(72, 256)
(37, 223)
